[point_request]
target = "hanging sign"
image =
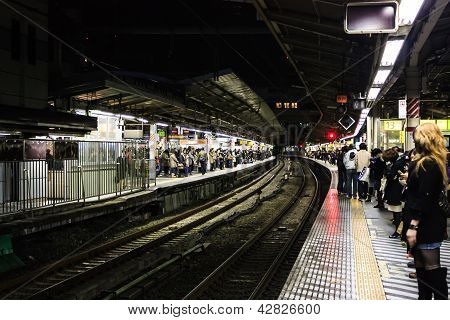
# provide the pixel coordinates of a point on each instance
(286, 105)
(162, 133)
(402, 109)
(342, 98)
(346, 121)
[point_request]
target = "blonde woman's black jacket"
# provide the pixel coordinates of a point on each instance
(422, 201)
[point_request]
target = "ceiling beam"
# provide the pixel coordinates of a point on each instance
(326, 30)
(179, 30)
(308, 20)
(337, 49)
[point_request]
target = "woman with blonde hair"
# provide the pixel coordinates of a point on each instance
(427, 178)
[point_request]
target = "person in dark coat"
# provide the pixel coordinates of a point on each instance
(165, 162)
(377, 169)
(341, 171)
(394, 189)
(427, 181)
(122, 167)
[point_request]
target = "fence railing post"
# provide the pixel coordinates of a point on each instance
(23, 192)
(83, 191)
(98, 172)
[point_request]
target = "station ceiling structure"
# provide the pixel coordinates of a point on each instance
(204, 52)
(328, 61)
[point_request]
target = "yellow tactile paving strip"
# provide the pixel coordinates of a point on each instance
(368, 279)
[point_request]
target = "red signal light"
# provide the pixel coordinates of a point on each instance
(331, 135)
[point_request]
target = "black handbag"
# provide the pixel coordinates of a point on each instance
(443, 202)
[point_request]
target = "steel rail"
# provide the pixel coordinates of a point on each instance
(270, 273)
(247, 246)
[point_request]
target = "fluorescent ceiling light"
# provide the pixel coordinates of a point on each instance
(201, 131)
(223, 135)
(408, 11)
(162, 124)
(103, 113)
(391, 52)
(142, 120)
(125, 116)
(381, 77)
(373, 93)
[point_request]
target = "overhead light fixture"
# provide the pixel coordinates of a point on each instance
(381, 77)
(125, 116)
(365, 111)
(102, 113)
(142, 120)
(408, 11)
(391, 51)
(161, 124)
(201, 131)
(373, 93)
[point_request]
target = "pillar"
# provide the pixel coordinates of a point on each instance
(152, 152)
(208, 138)
(369, 132)
(413, 81)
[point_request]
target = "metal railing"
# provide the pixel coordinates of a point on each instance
(41, 173)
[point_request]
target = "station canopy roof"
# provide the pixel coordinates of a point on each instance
(219, 102)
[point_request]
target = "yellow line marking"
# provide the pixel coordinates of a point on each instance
(368, 279)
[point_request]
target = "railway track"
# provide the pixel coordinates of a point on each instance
(250, 270)
(71, 271)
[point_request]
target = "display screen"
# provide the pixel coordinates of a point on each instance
(371, 18)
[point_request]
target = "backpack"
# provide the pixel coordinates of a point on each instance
(352, 155)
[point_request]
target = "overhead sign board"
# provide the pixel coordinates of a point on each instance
(286, 105)
(359, 104)
(371, 17)
(342, 98)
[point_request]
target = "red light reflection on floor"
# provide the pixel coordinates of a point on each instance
(333, 216)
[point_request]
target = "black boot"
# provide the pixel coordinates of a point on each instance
(425, 291)
(369, 196)
(380, 204)
(438, 282)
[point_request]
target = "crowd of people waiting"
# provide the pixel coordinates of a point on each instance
(413, 186)
(183, 162)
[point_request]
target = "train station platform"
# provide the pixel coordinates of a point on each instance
(167, 195)
(348, 255)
